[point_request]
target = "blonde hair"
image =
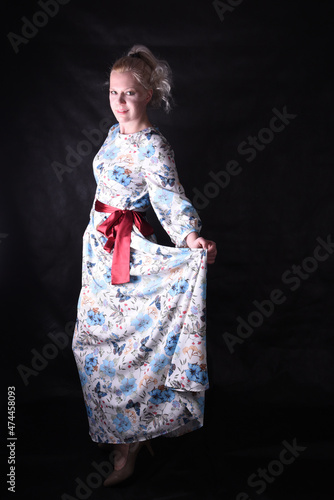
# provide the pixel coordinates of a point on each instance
(151, 73)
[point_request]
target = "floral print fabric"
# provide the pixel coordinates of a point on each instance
(140, 347)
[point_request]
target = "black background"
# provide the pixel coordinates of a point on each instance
(229, 75)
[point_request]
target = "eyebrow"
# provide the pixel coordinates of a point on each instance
(128, 88)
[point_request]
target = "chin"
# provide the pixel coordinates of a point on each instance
(122, 118)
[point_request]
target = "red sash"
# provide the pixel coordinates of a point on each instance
(117, 228)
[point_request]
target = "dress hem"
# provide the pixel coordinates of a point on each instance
(174, 433)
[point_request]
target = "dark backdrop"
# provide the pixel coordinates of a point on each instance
(264, 190)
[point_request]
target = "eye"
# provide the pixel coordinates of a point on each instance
(130, 92)
(113, 92)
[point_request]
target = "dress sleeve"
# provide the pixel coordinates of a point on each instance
(174, 210)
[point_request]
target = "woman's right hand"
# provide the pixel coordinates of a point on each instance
(195, 241)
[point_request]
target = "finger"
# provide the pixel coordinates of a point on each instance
(203, 243)
(212, 256)
(212, 250)
(212, 245)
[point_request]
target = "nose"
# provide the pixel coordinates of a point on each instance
(121, 98)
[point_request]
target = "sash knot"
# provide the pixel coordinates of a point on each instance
(117, 229)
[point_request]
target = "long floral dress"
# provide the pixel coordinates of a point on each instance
(140, 346)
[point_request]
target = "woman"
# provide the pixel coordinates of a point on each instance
(139, 341)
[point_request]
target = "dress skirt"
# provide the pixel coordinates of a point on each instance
(140, 346)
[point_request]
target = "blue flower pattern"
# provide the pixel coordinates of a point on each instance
(108, 368)
(140, 346)
(119, 175)
(128, 386)
(95, 318)
(142, 322)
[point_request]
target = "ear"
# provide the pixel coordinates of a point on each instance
(149, 95)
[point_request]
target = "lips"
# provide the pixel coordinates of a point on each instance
(122, 111)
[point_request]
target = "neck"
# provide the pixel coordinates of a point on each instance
(132, 128)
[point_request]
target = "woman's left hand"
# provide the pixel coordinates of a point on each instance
(193, 241)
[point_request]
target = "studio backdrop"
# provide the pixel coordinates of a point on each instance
(251, 130)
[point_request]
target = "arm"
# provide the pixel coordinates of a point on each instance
(174, 210)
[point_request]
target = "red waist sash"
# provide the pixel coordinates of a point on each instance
(117, 228)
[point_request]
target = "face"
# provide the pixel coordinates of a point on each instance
(128, 100)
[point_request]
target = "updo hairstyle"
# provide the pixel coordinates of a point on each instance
(151, 73)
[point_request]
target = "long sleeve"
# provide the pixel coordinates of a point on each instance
(173, 209)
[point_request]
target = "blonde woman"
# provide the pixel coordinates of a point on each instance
(139, 341)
